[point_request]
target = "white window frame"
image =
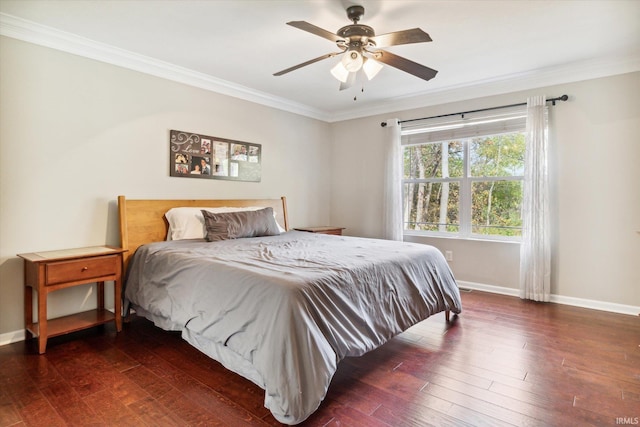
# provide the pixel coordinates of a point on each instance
(463, 129)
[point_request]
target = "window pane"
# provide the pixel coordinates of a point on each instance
(499, 155)
(426, 160)
(432, 206)
(495, 208)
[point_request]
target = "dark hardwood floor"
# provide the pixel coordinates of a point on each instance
(502, 362)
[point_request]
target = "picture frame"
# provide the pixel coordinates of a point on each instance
(194, 155)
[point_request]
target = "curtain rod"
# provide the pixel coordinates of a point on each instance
(462, 113)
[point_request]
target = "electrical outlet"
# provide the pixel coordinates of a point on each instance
(448, 255)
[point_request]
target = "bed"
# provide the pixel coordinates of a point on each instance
(280, 308)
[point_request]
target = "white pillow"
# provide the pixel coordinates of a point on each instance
(188, 223)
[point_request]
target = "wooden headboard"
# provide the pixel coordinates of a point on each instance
(143, 221)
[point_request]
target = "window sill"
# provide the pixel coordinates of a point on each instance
(469, 238)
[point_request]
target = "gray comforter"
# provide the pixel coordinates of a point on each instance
(284, 310)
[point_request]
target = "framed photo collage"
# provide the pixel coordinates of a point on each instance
(194, 155)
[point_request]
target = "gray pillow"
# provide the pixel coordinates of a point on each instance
(235, 225)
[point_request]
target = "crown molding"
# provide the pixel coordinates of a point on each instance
(566, 73)
(29, 31)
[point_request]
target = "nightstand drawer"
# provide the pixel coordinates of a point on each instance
(66, 271)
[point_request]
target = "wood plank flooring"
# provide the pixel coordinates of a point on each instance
(502, 362)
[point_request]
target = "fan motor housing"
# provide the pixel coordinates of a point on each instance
(356, 33)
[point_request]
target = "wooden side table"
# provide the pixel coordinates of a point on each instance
(323, 230)
(54, 270)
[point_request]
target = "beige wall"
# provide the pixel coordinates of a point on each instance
(594, 157)
(75, 133)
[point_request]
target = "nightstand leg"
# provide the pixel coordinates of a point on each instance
(28, 311)
(117, 303)
(42, 320)
(100, 294)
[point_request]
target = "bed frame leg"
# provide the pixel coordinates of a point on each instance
(447, 315)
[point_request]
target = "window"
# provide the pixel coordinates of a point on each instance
(464, 179)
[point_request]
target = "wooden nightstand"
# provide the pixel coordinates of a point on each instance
(54, 270)
(323, 230)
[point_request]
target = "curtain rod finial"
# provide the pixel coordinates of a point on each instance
(560, 98)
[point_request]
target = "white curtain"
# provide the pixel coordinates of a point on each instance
(535, 251)
(392, 209)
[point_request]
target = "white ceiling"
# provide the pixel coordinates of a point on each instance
(479, 47)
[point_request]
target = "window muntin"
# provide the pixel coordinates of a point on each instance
(468, 187)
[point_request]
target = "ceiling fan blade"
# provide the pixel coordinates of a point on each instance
(405, 65)
(310, 28)
(309, 62)
(414, 35)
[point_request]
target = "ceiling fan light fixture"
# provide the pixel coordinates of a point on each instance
(340, 72)
(352, 60)
(371, 68)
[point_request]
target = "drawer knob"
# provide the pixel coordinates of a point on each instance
(85, 268)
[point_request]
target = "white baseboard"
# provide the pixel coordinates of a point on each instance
(11, 337)
(559, 299)
(15, 336)
(488, 288)
(597, 305)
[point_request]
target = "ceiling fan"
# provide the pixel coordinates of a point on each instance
(362, 50)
